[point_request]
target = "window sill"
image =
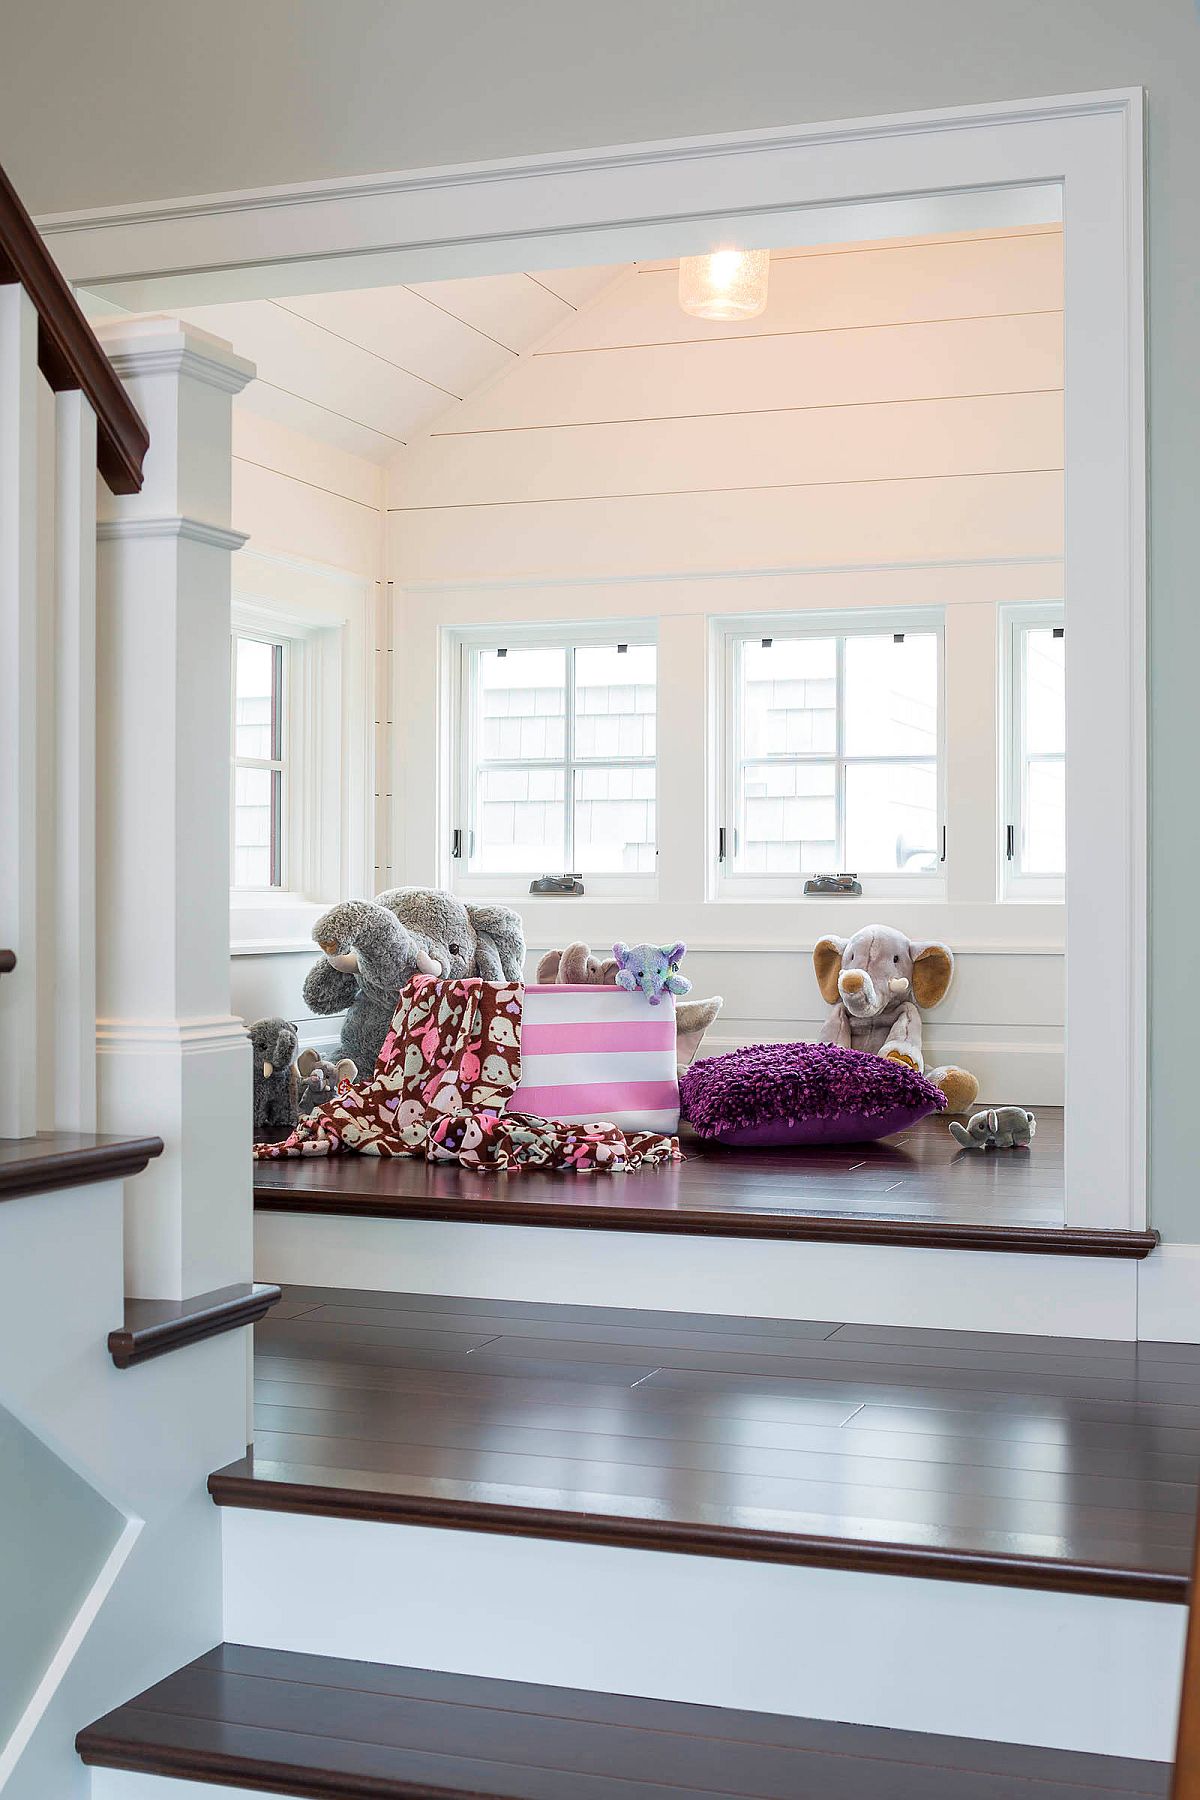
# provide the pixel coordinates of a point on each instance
(267, 924)
(272, 947)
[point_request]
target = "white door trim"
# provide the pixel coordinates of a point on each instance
(811, 182)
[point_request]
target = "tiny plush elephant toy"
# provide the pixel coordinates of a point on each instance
(273, 1042)
(877, 982)
(1000, 1128)
(320, 1079)
(654, 968)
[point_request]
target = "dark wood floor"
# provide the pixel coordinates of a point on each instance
(1060, 1463)
(916, 1188)
(317, 1725)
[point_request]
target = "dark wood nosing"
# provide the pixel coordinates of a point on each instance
(307, 1724)
(235, 1486)
(70, 354)
(63, 1159)
(154, 1327)
(507, 1208)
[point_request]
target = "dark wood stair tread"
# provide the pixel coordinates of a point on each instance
(61, 1159)
(1061, 1464)
(322, 1726)
(915, 1190)
(154, 1327)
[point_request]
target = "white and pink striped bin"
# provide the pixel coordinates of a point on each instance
(590, 1053)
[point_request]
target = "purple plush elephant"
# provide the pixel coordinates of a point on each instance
(654, 968)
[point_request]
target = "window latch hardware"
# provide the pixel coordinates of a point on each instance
(456, 843)
(833, 884)
(721, 844)
(556, 884)
(1010, 842)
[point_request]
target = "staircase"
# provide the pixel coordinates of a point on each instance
(517, 1549)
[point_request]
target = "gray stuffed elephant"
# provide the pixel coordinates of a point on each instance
(1000, 1128)
(273, 1044)
(876, 983)
(372, 949)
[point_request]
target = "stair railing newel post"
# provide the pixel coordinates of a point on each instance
(169, 1052)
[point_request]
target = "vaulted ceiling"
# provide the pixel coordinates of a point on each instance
(370, 369)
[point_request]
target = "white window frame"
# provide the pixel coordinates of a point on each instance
(1015, 620)
(324, 620)
(729, 635)
(280, 764)
(463, 646)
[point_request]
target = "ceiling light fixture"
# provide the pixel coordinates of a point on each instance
(728, 284)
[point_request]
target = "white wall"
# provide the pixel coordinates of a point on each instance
(145, 1439)
(314, 519)
(888, 434)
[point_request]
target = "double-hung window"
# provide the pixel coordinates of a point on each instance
(556, 769)
(1036, 821)
(832, 739)
(258, 769)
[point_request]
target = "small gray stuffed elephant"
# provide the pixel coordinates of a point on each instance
(273, 1043)
(1000, 1128)
(320, 1078)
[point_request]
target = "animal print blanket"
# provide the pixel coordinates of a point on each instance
(444, 1074)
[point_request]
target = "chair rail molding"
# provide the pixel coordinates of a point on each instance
(813, 183)
(170, 1054)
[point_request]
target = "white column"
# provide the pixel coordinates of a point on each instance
(171, 1057)
(18, 703)
(67, 1045)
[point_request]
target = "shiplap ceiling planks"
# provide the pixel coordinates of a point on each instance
(367, 370)
(896, 402)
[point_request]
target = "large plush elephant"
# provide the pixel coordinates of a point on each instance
(373, 948)
(876, 982)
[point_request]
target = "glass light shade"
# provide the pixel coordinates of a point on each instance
(729, 284)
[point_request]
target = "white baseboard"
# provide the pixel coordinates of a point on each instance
(975, 1290)
(1071, 1671)
(1169, 1295)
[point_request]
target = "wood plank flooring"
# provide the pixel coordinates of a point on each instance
(1060, 1463)
(317, 1725)
(917, 1188)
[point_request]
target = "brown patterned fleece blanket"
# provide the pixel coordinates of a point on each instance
(445, 1072)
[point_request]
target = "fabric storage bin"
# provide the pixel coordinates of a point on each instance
(591, 1053)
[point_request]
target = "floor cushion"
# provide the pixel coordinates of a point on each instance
(780, 1094)
(591, 1053)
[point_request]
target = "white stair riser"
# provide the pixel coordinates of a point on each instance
(1076, 1672)
(867, 1284)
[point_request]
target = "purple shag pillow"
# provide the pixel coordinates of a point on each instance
(803, 1094)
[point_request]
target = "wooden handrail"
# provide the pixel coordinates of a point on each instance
(69, 352)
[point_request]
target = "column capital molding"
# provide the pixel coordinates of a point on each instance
(164, 346)
(196, 531)
(184, 1037)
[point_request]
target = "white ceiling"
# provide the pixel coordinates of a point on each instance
(369, 369)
